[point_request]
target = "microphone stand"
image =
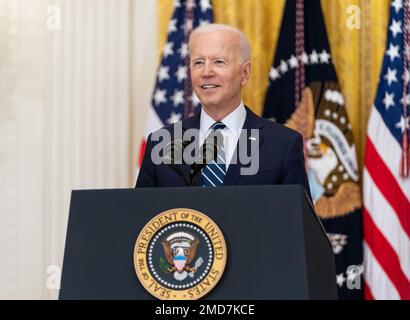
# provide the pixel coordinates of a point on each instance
(171, 156)
(195, 169)
(206, 157)
(179, 172)
(209, 153)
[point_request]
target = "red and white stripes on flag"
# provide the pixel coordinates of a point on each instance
(386, 184)
(386, 216)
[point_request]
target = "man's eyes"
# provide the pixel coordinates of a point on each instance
(218, 62)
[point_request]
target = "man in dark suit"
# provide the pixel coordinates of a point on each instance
(220, 66)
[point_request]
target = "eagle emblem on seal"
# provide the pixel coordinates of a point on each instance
(180, 251)
(322, 119)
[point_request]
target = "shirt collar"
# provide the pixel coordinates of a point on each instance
(233, 121)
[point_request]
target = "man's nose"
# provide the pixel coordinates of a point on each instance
(208, 70)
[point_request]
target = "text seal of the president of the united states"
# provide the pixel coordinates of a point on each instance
(180, 254)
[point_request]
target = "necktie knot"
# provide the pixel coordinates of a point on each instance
(218, 126)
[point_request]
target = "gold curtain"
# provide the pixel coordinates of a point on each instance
(357, 54)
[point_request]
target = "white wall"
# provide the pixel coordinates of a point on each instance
(73, 105)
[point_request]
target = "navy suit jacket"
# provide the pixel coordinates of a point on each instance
(281, 159)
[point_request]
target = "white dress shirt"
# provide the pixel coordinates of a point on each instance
(234, 124)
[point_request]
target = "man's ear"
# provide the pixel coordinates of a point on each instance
(246, 73)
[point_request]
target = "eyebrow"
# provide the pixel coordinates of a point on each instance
(212, 58)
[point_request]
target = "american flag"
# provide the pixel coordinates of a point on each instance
(173, 98)
(386, 189)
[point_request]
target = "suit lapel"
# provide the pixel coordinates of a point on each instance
(192, 122)
(251, 122)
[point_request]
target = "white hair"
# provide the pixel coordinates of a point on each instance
(244, 46)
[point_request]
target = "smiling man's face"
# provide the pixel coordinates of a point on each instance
(217, 70)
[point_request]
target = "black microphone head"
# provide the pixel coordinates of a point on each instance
(211, 145)
(208, 152)
(174, 151)
(169, 152)
(209, 149)
(173, 155)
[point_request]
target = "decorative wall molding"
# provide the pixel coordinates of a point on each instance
(72, 112)
(9, 43)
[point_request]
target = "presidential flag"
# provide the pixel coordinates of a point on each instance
(305, 95)
(386, 182)
(173, 97)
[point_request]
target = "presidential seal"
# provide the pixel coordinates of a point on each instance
(332, 168)
(180, 255)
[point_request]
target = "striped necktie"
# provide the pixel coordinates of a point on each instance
(213, 174)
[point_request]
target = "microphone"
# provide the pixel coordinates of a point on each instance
(173, 156)
(208, 153)
(174, 151)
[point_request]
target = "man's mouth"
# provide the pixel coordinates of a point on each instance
(210, 86)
